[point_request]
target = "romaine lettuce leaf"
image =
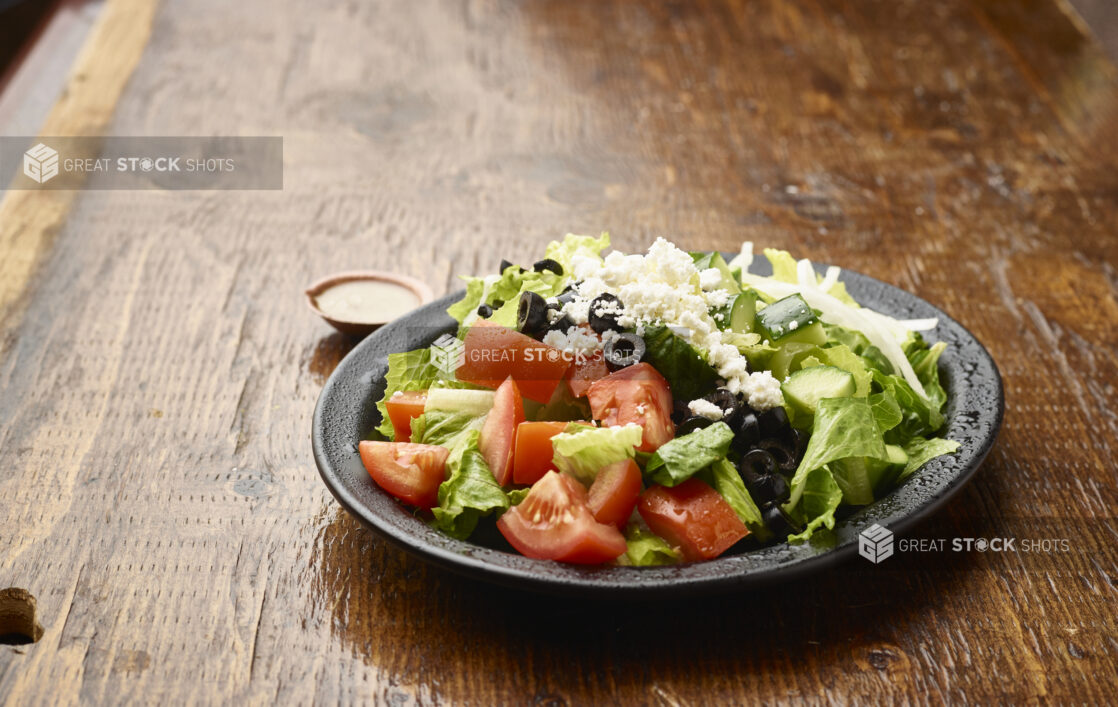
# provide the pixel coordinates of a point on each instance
(564, 251)
(886, 411)
(820, 498)
(840, 356)
(784, 270)
(844, 427)
(688, 375)
(469, 492)
(784, 265)
(646, 549)
(507, 288)
(920, 416)
(411, 370)
(924, 362)
(582, 450)
(920, 451)
(857, 342)
(683, 457)
(444, 428)
(724, 478)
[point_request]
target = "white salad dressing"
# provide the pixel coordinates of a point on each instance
(366, 301)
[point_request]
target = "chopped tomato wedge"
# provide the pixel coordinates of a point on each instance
(533, 453)
(635, 394)
(499, 431)
(614, 493)
(554, 522)
(585, 371)
(492, 353)
(693, 517)
(410, 472)
(402, 408)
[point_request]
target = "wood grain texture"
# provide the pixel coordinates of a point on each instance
(160, 500)
(30, 219)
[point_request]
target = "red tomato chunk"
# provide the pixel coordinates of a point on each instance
(636, 394)
(493, 353)
(693, 517)
(554, 522)
(410, 472)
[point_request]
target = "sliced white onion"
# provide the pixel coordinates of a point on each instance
(743, 259)
(881, 330)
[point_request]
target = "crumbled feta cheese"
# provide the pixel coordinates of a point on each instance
(762, 391)
(793, 325)
(710, 278)
(705, 408)
(575, 340)
(398, 394)
(641, 408)
(660, 287)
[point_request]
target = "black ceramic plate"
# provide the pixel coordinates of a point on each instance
(346, 413)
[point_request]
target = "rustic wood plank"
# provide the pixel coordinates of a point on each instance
(155, 395)
(30, 219)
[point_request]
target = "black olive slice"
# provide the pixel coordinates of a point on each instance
(623, 351)
(548, 264)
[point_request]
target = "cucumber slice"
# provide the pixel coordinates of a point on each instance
(896, 455)
(790, 319)
(786, 358)
(473, 402)
(704, 261)
(858, 477)
(813, 334)
(738, 314)
(806, 387)
(743, 312)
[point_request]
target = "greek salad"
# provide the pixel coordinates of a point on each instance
(656, 408)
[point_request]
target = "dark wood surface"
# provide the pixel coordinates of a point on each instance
(158, 368)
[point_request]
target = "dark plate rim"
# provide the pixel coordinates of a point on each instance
(973, 419)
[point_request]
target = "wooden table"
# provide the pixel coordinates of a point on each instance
(158, 368)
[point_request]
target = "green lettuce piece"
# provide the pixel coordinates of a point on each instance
(683, 457)
(411, 370)
(582, 451)
(925, 363)
(858, 477)
(820, 498)
(507, 287)
(841, 356)
(920, 451)
(688, 375)
(857, 342)
(886, 411)
(516, 496)
(725, 479)
(784, 265)
(564, 251)
(545, 284)
(843, 428)
(646, 549)
(444, 428)
(784, 269)
(920, 416)
(469, 492)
